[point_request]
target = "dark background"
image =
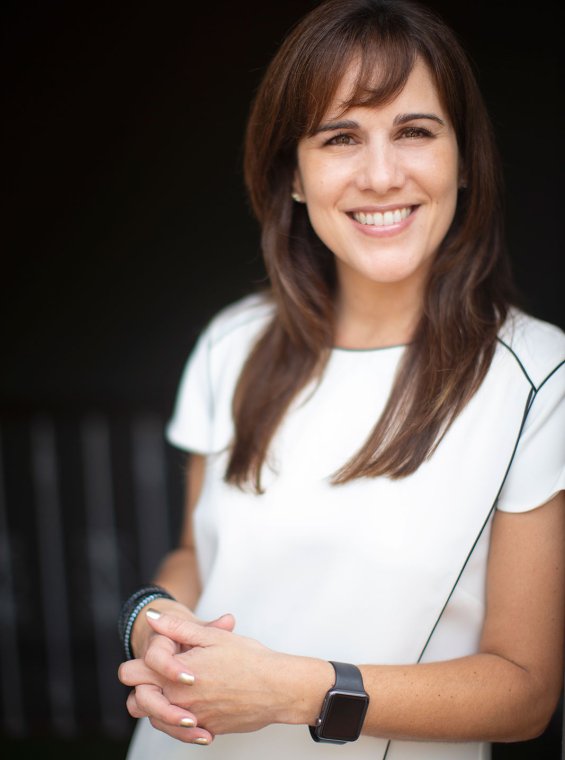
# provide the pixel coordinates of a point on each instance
(125, 227)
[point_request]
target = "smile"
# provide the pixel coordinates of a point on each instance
(383, 219)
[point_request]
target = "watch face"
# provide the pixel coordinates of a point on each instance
(344, 716)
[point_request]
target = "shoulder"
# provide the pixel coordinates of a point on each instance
(537, 347)
(239, 322)
(202, 418)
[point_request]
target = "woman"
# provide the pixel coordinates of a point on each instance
(376, 457)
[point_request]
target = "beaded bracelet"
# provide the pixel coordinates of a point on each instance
(131, 602)
(131, 609)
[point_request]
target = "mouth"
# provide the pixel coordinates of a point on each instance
(383, 218)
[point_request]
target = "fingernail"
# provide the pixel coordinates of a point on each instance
(187, 722)
(200, 740)
(186, 678)
(153, 614)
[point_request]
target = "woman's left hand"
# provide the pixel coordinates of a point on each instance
(239, 684)
(147, 700)
(237, 681)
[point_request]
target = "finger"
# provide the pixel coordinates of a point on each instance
(132, 707)
(184, 632)
(149, 700)
(160, 657)
(225, 622)
(188, 735)
(164, 644)
(136, 672)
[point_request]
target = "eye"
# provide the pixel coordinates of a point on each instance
(416, 132)
(341, 139)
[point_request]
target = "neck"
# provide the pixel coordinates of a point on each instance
(376, 315)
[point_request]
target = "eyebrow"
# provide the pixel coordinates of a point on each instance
(402, 118)
(331, 125)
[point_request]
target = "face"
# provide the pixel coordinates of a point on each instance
(380, 183)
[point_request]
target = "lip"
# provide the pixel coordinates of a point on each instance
(374, 209)
(383, 231)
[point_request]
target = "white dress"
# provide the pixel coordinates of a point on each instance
(376, 570)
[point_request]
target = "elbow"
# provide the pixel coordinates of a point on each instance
(537, 727)
(547, 702)
(528, 701)
(535, 719)
(530, 731)
(526, 733)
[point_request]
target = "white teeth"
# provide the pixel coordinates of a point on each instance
(382, 220)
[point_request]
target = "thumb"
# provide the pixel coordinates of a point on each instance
(225, 622)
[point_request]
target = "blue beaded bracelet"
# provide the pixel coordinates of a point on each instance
(131, 609)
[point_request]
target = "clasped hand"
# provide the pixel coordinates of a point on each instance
(196, 681)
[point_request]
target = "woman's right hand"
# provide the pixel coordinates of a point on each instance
(178, 573)
(142, 634)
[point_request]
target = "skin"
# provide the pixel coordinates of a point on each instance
(178, 573)
(506, 692)
(204, 673)
(399, 155)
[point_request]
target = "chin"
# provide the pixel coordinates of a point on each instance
(393, 275)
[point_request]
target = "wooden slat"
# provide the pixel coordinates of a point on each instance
(53, 569)
(10, 666)
(103, 564)
(150, 489)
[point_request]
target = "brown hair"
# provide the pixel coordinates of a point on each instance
(469, 286)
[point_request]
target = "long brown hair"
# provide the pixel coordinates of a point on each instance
(469, 286)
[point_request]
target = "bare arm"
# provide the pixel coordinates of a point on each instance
(178, 572)
(509, 690)
(506, 692)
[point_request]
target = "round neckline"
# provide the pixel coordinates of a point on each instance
(376, 350)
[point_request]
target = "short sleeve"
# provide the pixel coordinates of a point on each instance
(537, 471)
(190, 427)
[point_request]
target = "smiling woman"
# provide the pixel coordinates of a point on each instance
(380, 186)
(374, 532)
(356, 71)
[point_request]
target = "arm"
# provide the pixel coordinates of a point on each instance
(506, 692)
(178, 572)
(509, 690)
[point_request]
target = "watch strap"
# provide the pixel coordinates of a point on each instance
(347, 677)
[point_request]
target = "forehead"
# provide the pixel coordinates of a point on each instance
(418, 92)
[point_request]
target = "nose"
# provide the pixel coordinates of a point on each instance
(380, 168)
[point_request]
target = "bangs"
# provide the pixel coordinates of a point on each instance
(382, 64)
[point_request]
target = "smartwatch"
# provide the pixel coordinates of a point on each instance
(344, 707)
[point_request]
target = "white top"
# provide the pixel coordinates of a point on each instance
(361, 572)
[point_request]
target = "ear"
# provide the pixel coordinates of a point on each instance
(297, 189)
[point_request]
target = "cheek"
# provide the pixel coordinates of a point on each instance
(323, 181)
(450, 196)
(443, 191)
(446, 173)
(436, 171)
